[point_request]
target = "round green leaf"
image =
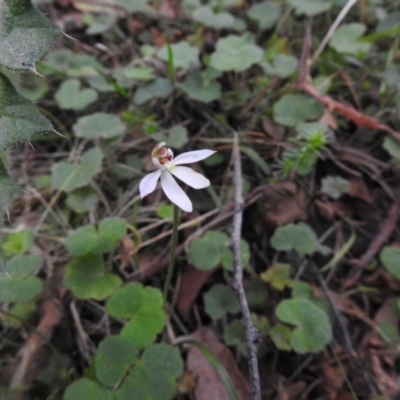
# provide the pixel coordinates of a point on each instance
(207, 252)
(219, 300)
(145, 308)
(278, 276)
(280, 335)
(313, 330)
(346, 39)
(81, 242)
(299, 237)
(334, 186)
(235, 53)
(310, 7)
(86, 389)
(113, 227)
(18, 242)
(114, 356)
(154, 376)
(293, 108)
(161, 87)
(20, 267)
(200, 89)
(176, 137)
(99, 125)
(68, 177)
(266, 14)
(86, 277)
(283, 65)
(183, 54)
(16, 290)
(82, 200)
(207, 17)
(390, 258)
(70, 96)
(227, 259)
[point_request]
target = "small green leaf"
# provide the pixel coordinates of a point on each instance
(346, 40)
(155, 376)
(212, 249)
(207, 252)
(87, 278)
(293, 108)
(207, 17)
(219, 300)
(82, 200)
(335, 186)
(161, 88)
(278, 276)
(198, 88)
(20, 267)
(227, 259)
(81, 242)
(235, 53)
(390, 258)
(392, 146)
(18, 242)
(135, 6)
(145, 308)
(114, 356)
(299, 237)
(113, 227)
(86, 389)
(183, 54)
(102, 23)
(99, 125)
(68, 177)
(70, 96)
(310, 7)
(256, 292)
(313, 330)
(235, 335)
(267, 14)
(19, 118)
(283, 65)
(255, 157)
(25, 34)
(139, 73)
(280, 335)
(19, 290)
(165, 211)
(176, 137)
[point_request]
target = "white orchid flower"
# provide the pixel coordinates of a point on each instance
(167, 165)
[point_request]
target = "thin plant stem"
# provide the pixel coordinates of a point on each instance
(252, 334)
(174, 241)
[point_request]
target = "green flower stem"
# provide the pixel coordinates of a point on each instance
(174, 241)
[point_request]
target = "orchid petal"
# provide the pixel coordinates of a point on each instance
(193, 156)
(149, 183)
(174, 192)
(190, 177)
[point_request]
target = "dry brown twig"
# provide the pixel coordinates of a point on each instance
(252, 333)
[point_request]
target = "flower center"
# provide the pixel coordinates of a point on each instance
(162, 154)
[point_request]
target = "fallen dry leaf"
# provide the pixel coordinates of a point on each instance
(284, 203)
(210, 386)
(190, 285)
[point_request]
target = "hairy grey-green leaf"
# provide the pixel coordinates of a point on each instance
(8, 189)
(25, 34)
(19, 118)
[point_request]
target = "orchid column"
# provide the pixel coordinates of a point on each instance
(167, 168)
